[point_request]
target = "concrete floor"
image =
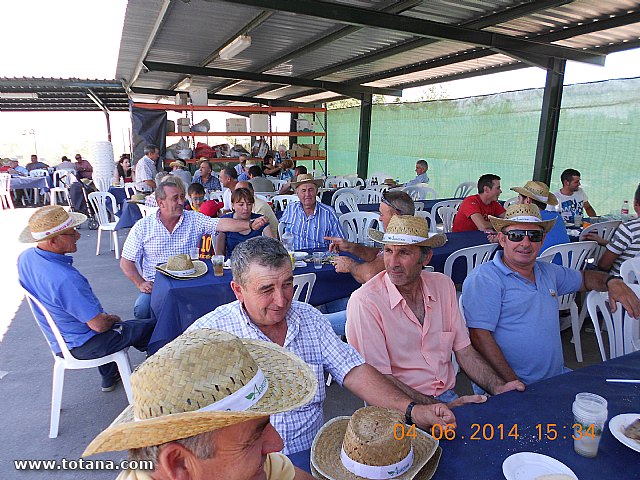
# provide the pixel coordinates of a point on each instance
(26, 365)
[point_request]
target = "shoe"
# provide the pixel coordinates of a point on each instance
(109, 385)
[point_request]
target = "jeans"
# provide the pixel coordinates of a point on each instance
(446, 397)
(301, 459)
(336, 313)
(142, 307)
(132, 333)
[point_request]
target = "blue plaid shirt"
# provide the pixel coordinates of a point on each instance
(311, 337)
(212, 184)
(309, 232)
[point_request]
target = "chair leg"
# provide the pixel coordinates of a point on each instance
(596, 328)
(56, 398)
(124, 367)
(98, 243)
(115, 243)
(575, 328)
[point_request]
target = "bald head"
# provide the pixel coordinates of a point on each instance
(244, 184)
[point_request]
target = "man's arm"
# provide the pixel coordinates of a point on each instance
(607, 260)
(482, 340)
(102, 322)
(301, 475)
(618, 291)
(361, 272)
(151, 183)
(233, 225)
(589, 209)
(480, 222)
(363, 252)
(478, 370)
(131, 272)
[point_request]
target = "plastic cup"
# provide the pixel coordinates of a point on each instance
(194, 253)
(589, 416)
(317, 260)
(577, 220)
(218, 265)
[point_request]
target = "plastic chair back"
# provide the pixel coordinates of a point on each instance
(99, 203)
(464, 189)
(335, 195)
(356, 225)
(369, 196)
(346, 202)
(474, 256)
(446, 203)
(39, 172)
(277, 183)
(421, 192)
(5, 190)
(447, 214)
(428, 216)
(303, 282)
(129, 190)
(603, 229)
(281, 201)
(511, 201)
(630, 270)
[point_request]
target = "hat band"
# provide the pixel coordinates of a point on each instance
(242, 399)
(182, 273)
(63, 226)
(401, 237)
(524, 219)
(376, 472)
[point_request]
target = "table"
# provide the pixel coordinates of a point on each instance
(546, 402)
(129, 215)
(456, 241)
(176, 304)
(120, 195)
(26, 183)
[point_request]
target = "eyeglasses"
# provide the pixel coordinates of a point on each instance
(386, 201)
(517, 236)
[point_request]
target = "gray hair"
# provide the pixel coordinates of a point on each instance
(170, 182)
(401, 201)
(264, 251)
(424, 251)
(423, 163)
(201, 445)
(151, 148)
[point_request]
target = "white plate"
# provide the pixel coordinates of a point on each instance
(617, 425)
(227, 264)
(300, 255)
(528, 466)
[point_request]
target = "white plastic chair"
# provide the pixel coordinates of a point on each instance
(146, 211)
(62, 179)
(5, 191)
(307, 280)
(379, 188)
(129, 190)
(346, 202)
(603, 229)
(474, 256)
(369, 196)
(464, 189)
(446, 203)
(418, 206)
(630, 270)
(622, 329)
(356, 225)
(447, 214)
(39, 172)
(98, 202)
(574, 255)
(428, 216)
(68, 361)
(277, 184)
(509, 202)
(216, 195)
(421, 192)
(103, 183)
(281, 201)
(335, 195)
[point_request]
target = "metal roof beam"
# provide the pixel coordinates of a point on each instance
(214, 96)
(351, 90)
(363, 17)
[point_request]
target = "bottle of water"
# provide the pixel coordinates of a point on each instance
(287, 239)
(625, 208)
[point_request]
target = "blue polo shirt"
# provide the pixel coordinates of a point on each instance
(523, 316)
(52, 279)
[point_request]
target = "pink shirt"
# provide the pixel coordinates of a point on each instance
(385, 331)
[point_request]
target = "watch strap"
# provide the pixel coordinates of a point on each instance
(407, 414)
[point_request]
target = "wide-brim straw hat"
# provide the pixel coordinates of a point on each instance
(373, 439)
(178, 163)
(408, 230)
(172, 388)
(138, 198)
(538, 191)
(48, 222)
(521, 214)
(6, 162)
(181, 267)
(306, 178)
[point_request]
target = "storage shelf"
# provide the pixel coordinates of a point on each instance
(246, 134)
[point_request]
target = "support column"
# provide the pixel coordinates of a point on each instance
(366, 100)
(549, 120)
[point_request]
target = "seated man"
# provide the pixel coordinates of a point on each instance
(515, 323)
(537, 193)
(46, 272)
(406, 322)
(189, 422)
(179, 170)
(421, 173)
(287, 189)
(260, 183)
(14, 168)
(228, 179)
(209, 181)
(394, 202)
(36, 164)
(263, 285)
(239, 168)
(310, 221)
(474, 211)
(624, 244)
(84, 169)
(573, 201)
(261, 207)
(172, 230)
(66, 164)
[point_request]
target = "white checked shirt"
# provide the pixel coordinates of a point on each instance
(150, 240)
(145, 170)
(309, 232)
(310, 337)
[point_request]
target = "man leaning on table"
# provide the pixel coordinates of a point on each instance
(170, 231)
(511, 303)
(263, 285)
(473, 212)
(406, 322)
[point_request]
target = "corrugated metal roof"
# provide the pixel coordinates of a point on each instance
(191, 33)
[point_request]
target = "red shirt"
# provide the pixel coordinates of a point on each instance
(470, 205)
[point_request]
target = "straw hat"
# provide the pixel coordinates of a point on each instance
(138, 198)
(348, 448)
(408, 230)
(390, 181)
(205, 380)
(538, 191)
(182, 267)
(521, 214)
(306, 178)
(6, 162)
(177, 163)
(48, 222)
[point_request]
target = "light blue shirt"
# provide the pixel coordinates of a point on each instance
(52, 279)
(309, 232)
(422, 178)
(522, 316)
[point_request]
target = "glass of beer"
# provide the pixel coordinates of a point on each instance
(218, 265)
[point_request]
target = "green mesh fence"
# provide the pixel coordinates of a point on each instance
(462, 139)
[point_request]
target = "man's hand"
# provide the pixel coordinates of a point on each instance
(512, 385)
(338, 244)
(596, 238)
(436, 414)
(492, 236)
(344, 264)
(467, 399)
(619, 292)
(145, 287)
(259, 222)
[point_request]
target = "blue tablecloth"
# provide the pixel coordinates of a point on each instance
(546, 402)
(456, 241)
(176, 304)
(120, 195)
(129, 215)
(28, 182)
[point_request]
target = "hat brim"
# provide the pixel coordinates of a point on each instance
(499, 223)
(435, 240)
(177, 164)
(26, 237)
(137, 202)
(318, 181)
(325, 453)
(200, 266)
(292, 384)
(551, 199)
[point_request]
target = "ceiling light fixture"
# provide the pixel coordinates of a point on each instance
(235, 47)
(18, 95)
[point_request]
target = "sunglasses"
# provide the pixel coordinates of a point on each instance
(386, 201)
(517, 236)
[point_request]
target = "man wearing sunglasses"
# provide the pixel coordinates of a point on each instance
(511, 303)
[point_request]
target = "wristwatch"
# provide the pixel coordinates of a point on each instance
(407, 414)
(611, 277)
(251, 224)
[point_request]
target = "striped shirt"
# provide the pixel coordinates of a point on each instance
(150, 241)
(309, 336)
(625, 243)
(145, 170)
(309, 232)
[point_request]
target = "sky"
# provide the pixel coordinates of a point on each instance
(81, 38)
